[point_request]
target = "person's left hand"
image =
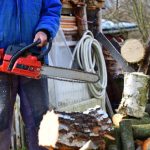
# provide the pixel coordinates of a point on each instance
(43, 37)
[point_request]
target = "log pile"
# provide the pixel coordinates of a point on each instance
(69, 27)
(76, 129)
(74, 20)
(132, 133)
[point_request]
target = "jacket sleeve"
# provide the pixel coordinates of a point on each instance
(50, 17)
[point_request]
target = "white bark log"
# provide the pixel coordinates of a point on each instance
(135, 94)
(75, 129)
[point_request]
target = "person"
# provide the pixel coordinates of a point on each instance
(25, 21)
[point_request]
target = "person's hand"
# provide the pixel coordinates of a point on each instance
(43, 37)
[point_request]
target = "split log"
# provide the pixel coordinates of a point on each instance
(133, 51)
(135, 94)
(126, 135)
(77, 128)
(141, 131)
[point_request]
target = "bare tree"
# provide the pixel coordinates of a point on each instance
(132, 10)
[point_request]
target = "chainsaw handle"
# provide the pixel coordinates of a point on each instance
(20, 52)
(44, 53)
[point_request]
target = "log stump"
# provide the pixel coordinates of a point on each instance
(135, 94)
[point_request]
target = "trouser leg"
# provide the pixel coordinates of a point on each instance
(34, 101)
(8, 90)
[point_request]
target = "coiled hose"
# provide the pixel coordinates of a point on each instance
(91, 59)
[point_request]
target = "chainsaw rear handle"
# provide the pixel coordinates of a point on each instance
(20, 52)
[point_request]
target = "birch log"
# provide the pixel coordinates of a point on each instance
(76, 129)
(135, 94)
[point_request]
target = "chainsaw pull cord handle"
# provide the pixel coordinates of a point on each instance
(19, 53)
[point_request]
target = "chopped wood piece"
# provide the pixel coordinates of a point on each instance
(133, 51)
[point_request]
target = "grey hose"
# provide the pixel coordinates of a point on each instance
(91, 59)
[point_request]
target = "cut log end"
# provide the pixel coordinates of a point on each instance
(133, 51)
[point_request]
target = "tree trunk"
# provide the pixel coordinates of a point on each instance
(135, 94)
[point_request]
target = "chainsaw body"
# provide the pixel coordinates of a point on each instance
(26, 65)
(28, 61)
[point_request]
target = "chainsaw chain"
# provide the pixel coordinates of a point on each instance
(68, 80)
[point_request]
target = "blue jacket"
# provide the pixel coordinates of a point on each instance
(21, 19)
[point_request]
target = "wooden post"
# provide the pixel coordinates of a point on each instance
(135, 94)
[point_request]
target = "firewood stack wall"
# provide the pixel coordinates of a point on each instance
(74, 17)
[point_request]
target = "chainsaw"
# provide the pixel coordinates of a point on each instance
(24, 61)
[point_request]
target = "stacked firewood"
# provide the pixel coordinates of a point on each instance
(132, 133)
(69, 27)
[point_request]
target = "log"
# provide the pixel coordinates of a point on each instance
(126, 135)
(135, 95)
(117, 137)
(133, 51)
(143, 120)
(76, 129)
(141, 131)
(117, 118)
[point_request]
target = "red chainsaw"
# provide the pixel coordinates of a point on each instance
(23, 61)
